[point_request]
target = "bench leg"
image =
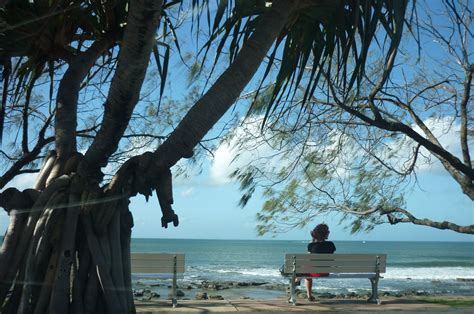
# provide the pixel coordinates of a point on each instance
(174, 300)
(374, 298)
(292, 298)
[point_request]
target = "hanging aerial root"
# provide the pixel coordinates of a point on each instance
(44, 239)
(100, 253)
(60, 298)
(164, 192)
(126, 224)
(11, 305)
(114, 193)
(22, 236)
(116, 269)
(12, 237)
(45, 170)
(18, 260)
(44, 298)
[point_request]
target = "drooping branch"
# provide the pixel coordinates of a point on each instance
(408, 218)
(456, 168)
(444, 225)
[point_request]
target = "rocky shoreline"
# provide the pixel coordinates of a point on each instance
(213, 290)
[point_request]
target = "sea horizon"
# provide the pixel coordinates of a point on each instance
(305, 240)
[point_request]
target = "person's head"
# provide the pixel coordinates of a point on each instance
(320, 232)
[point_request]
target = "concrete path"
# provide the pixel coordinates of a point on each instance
(280, 305)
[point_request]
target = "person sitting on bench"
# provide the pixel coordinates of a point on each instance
(318, 245)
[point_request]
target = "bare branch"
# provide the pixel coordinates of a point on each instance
(444, 225)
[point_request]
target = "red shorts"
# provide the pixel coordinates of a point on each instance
(318, 274)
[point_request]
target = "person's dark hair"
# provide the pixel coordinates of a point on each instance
(321, 232)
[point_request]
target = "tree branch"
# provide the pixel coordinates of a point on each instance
(134, 56)
(25, 159)
(68, 93)
(444, 225)
(464, 116)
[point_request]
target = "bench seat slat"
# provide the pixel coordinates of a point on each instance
(344, 269)
(157, 256)
(343, 276)
(348, 275)
(156, 269)
(332, 263)
(342, 257)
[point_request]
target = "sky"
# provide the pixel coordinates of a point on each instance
(207, 205)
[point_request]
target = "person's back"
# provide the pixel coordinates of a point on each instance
(319, 245)
(324, 247)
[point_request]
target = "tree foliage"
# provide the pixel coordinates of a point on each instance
(358, 153)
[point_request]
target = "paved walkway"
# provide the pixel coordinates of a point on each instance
(280, 305)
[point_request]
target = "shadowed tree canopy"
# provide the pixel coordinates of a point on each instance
(73, 78)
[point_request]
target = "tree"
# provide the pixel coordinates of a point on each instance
(358, 153)
(67, 248)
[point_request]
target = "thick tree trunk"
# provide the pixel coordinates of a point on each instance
(52, 259)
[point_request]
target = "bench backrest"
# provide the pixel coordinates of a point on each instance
(157, 263)
(335, 263)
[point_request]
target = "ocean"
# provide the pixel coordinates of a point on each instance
(432, 267)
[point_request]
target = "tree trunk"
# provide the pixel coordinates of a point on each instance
(52, 259)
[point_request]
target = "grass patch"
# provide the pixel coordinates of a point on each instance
(450, 302)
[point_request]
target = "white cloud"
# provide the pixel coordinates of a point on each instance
(447, 133)
(221, 164)
(245, 146)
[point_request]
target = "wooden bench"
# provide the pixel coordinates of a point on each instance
(338, 266)
(161, 266)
